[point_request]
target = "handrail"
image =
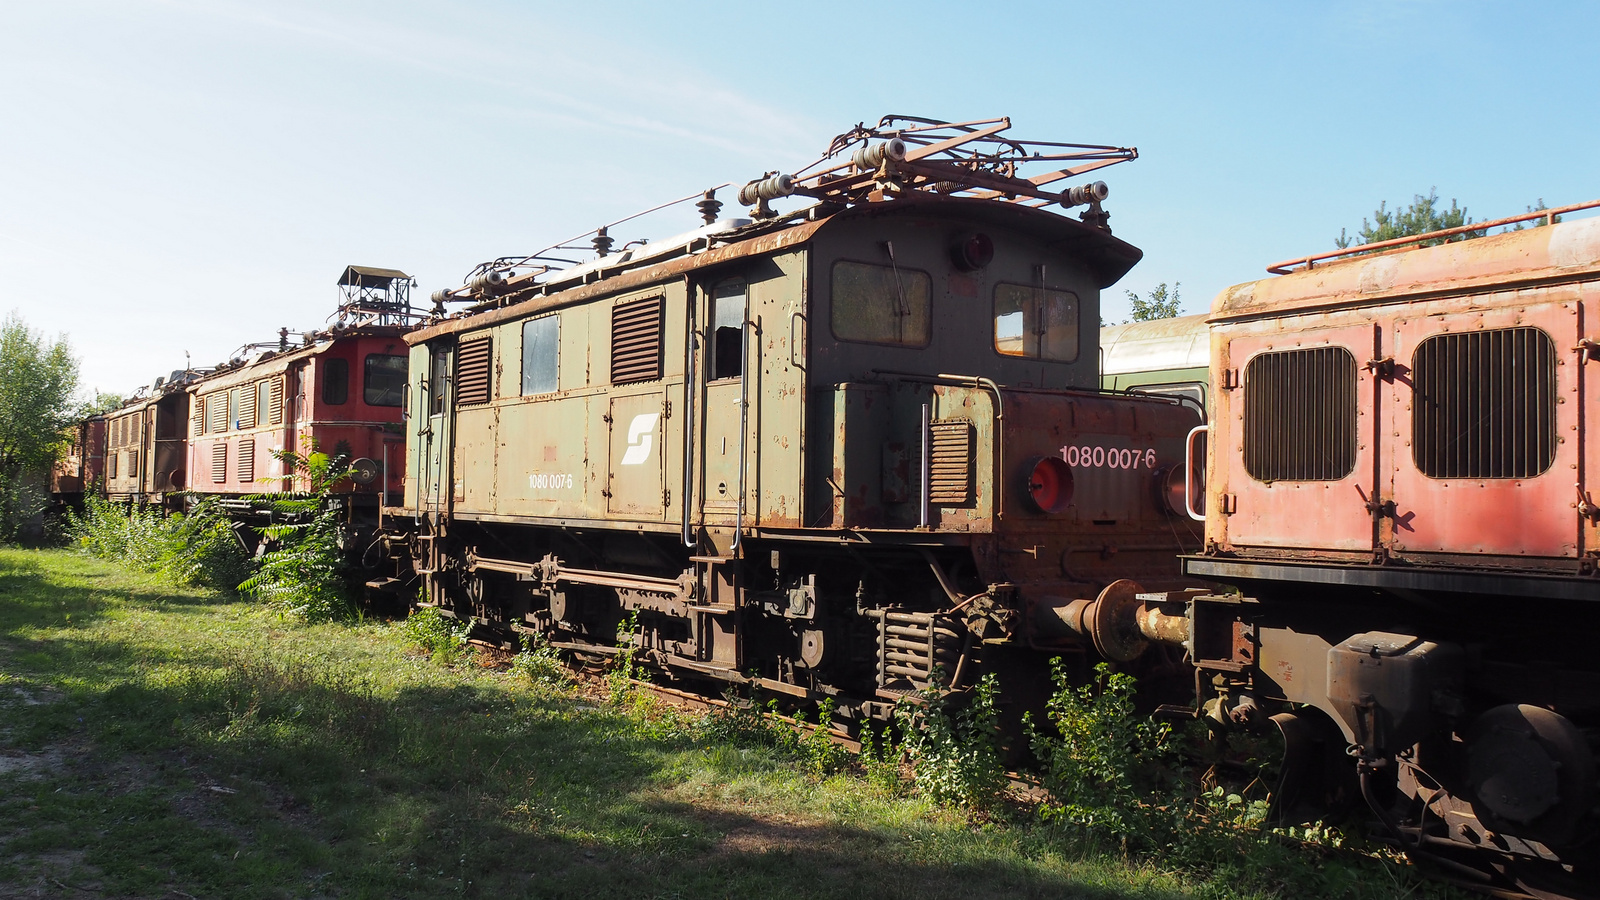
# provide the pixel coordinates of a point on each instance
(691, 393)
(1286, 267)
(1188, 472)
(744, 424)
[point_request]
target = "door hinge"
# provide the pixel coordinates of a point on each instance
(1229, 504)
(666, 409)
(1230, 379)
(1383, 368)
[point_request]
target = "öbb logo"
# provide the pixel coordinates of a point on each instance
(639, 433)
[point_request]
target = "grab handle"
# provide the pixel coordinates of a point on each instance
(1188, 472)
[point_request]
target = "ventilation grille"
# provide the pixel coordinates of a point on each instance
(1484, 404)
(217, 412)
(133, 464)
(275, 401)
(219, 462)
(247, 461)
(472, 373)
(950, 481)
(1300, 415)
(111, 464)
(636, 340)
(247, 407)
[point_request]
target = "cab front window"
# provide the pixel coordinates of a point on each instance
(1035, 322)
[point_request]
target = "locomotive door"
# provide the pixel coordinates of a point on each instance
(433, 448)
(1300, 467)
(725, 411)
(1482, 409)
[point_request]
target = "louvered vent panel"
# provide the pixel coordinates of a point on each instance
(950, 473)
(247, 461)
(636, 340)
(247, 407)
(1300, 415)
(472, 373)
(275, 404)
(219, 462)
(133, 464)
(1484, 404)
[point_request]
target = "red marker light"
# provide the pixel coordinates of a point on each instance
(1050, 485)
(972, 251)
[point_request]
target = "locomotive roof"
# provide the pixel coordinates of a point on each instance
(1560, 252)
(271, 362)
(1183, 342)
(1108, 257)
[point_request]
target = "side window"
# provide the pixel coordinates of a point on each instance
(264, 401)
(233, 409)
(728, 312)
(384, 380)
(1035, 322)
(541, 355)
(438, 382)
(335, 381)
(881, 304)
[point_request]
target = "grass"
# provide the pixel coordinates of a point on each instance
(160, 741)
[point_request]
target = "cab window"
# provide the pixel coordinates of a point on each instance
(335, 381)
(881, 304)
(1035, 322)
(384, 380)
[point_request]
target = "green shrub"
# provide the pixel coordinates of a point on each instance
(442, 638)
(303, 575)
(540, 663)
(1099, 761)
(199, 548)
(953, 752)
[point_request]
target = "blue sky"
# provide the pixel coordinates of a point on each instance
(190, 176)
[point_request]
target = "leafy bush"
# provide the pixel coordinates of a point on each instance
(199, 548)
(303, 575)
(540, 663)
(1099, 763)
(953, 752)
(442, 638)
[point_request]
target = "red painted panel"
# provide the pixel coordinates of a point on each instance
(1531, 516)
(1324, 515)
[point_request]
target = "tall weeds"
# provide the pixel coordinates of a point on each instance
(197, 548)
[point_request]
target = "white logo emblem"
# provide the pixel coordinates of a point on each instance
(639, 431)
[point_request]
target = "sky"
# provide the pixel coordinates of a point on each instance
(187, 177)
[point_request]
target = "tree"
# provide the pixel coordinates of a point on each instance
(37, 381)
(1161, 304)
(1421, 217)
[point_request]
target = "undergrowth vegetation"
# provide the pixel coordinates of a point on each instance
(434, 776)
(199, 548)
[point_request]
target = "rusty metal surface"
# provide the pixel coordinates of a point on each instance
(1565, 251)
(1382, 310)
(1548, 215)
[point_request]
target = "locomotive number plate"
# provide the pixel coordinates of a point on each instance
(550, 481)
(1109, 457)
